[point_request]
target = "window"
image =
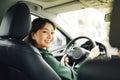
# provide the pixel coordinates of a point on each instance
(59, 41)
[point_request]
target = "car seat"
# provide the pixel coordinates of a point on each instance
(108, 68)
(18, 59)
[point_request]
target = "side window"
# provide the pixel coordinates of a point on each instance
(59, 41)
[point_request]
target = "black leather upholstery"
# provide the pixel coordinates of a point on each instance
(109, 68)
(16, 22)
(18, 59)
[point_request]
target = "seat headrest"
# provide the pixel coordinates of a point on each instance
(17, 22)
(114, 33)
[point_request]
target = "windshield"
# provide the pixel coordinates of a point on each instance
(89, 22)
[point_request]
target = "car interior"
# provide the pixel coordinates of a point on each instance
(17, 61)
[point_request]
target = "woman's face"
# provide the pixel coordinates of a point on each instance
(43, 37)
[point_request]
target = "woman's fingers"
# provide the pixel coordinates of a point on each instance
(94, 52)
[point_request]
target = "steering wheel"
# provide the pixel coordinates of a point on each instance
(77, 52)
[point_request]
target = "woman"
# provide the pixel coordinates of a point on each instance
(41, 36)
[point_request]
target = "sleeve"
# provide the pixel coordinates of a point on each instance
(61, 70)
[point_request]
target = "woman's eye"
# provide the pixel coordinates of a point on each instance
(44, 31)
(52, 32)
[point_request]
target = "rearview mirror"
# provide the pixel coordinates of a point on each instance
(107, 17)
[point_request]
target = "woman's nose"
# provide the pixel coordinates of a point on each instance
(50, 36)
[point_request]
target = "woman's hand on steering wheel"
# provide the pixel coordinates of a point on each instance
(65, 59)
(94, 52)
(79, 52)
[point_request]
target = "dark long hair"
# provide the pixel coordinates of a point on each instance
(37, 24)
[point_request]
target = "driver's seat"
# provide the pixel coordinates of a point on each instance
(18, 59)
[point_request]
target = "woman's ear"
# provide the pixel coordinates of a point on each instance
(33, 36)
